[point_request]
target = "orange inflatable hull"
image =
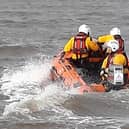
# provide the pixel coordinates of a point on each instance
(63, 70)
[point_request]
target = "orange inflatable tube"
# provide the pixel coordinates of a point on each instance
(63, 70)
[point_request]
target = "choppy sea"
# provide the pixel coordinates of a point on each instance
(31, 33)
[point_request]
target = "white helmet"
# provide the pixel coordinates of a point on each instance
(85, 29)
(115, 31)
(113, 44)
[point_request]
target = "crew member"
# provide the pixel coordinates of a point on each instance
(115, 57)
(115, 34)
(81, 46)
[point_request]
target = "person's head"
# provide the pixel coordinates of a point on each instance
(112, 46)
(84, 29)
(115, 31)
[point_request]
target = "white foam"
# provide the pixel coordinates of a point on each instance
(25, 80)
(24, 88)
(49, 98)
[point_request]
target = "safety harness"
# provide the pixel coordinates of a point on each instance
(120, 41)
(79, 46)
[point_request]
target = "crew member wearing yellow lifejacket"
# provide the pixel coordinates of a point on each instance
(114, 58)
(115, 34)
(81, 45)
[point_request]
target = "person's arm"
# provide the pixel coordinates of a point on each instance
(105, 38)
(104, 70)
(104, 64)
(69, 45)
(91, 45)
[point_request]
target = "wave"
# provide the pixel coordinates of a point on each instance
(18, 51)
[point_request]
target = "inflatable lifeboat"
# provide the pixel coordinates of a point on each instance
(72, 78)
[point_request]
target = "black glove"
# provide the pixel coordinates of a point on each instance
(104, 74)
